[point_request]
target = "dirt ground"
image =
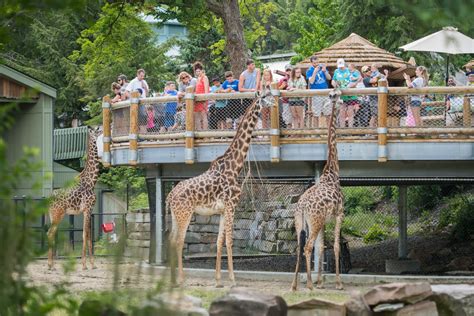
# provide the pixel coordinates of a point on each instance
(130, 277)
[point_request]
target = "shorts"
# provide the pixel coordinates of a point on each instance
(286, 113)
(221, 114)
(321, 105)
(351, 102)
(234, 109)
(415, 103)
(297, 103)
(169, 119)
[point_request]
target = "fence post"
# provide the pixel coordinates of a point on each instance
(402, 222)
(106, 128)
(133, 136)
(275, 125)
(189, 134)
(382, 96)
(466, 112)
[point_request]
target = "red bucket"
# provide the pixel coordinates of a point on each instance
(108, 227)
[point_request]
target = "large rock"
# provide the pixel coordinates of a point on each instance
(96, 307)
(460, 264)
(398, 292)
(455, 299)
(265, 246)
(357, 306)
(192, 238)
(316, 307)
(245, 302)
(424, 308)
(138, 217)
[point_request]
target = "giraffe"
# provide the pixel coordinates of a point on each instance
(216, 191)
(75, 200)
(320, 203)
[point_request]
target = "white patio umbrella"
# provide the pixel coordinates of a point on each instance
(448, 41)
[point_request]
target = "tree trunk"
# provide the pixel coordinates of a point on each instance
(229, 12)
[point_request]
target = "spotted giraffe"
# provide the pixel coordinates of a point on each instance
(320, 203)
(216, 191)
(75, 200)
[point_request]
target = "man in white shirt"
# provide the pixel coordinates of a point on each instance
(138, 84)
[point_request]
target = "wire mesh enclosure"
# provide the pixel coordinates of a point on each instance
(264, 227)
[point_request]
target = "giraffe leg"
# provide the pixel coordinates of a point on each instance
(172, 248)
(85, 238)
(298, 228)
(337, 250)
(320, 263)
(313, 233)
(181, 234)
(56, 217)
(229, 229)
(89, 241)
(220, 245)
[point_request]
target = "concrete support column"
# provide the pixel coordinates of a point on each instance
(317, 174)
(155, 186)
(402, 222)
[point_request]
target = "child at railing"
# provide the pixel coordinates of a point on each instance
(420, 81)
(267, 99)
(150, 122)
(219, 113)
(179, 119)
(170, 107)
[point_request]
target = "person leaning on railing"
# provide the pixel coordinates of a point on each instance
(267, 97)
(249, 81)
(341, 79)
(420, 81)
(318, 78)
(297, 104)
(228, 86)
(285, 106)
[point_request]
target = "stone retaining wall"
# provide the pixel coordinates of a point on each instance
(138, 231)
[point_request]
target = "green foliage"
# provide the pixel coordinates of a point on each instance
(316, 25)
(375, 234)
(359, 199)
(459, 213)
(421, 197)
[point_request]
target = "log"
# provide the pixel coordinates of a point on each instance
(133, 137)
(275, 125)
(382, 94)
(189, 134)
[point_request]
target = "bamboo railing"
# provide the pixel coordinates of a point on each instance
(276, 135)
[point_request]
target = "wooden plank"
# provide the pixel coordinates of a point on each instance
(189, 146)
(275, 127)
(382, 119)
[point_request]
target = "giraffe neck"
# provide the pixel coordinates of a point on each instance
(90, 173)
(332, 164)
(238, 149)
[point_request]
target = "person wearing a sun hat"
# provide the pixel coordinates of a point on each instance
(341, 79)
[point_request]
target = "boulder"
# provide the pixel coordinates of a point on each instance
(423, 308)
(245, 302)
(96, 307)
(192, 238)
(454, 299)
(398, 292)
(357, 306)
(316, 307)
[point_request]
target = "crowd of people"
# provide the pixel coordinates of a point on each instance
(295, 112)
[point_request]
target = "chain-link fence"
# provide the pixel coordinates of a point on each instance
(264, 227)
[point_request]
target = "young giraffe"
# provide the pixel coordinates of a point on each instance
(318, 204)
(216, 191)
(78, 199)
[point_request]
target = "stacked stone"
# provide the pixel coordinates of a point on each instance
(138, 231)
(269, 230)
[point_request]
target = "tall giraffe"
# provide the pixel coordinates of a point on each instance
(75, 200)
(216, 191)
(318, 204)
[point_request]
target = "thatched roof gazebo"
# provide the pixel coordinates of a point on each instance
(359, 51)
(469, 64)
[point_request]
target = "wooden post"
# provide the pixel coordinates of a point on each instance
(189, 134)
(275, 125)
(106, 128)
(133, 136)
(382, 94)
(466, 112)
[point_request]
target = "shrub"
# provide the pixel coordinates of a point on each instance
(459, 212)
(375, 234)
(422, 197)
(360, 199)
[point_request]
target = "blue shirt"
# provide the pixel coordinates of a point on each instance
(320, 81)
(170, 107)
(234, 85)
(218, 103)
(342, 77)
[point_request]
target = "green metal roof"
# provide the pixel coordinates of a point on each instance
(27, 80)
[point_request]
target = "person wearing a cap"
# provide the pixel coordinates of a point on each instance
(285, 103)
(341, 79)
(318, 77)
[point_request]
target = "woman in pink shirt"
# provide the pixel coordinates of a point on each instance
(202, 86)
